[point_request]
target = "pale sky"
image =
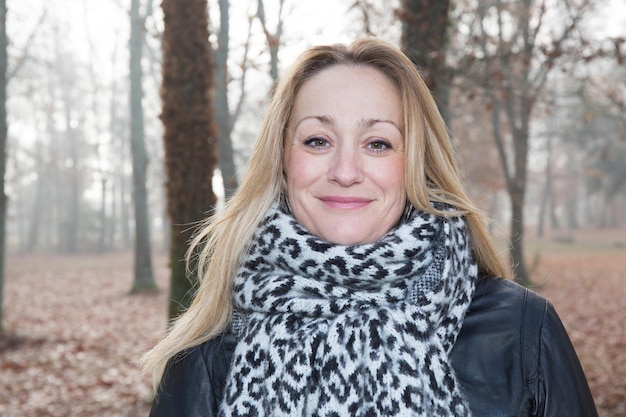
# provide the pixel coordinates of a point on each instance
(106, 22)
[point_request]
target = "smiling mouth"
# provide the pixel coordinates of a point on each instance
(345, 203)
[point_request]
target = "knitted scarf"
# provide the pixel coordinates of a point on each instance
(365, 330)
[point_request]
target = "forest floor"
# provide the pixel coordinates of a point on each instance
(76, 333)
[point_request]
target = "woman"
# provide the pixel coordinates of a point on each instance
(351, 275)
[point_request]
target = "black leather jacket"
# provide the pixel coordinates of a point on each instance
(512, 358)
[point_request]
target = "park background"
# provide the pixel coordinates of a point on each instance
(534, 93)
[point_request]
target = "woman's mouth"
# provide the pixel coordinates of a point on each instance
(345, 203)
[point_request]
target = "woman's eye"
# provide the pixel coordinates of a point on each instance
(379, 145)
(316, 142)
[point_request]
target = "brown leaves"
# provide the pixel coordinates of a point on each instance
(79, 337)
(587, 288)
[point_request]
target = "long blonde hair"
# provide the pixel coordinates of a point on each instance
(431, 174)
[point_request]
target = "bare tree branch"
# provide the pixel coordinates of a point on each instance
(19, 62)
(273, 40)
(242, 81)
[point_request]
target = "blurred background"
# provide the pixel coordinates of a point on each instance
(533, 91)
(68, 173)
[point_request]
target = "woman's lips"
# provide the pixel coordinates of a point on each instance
(345, 203)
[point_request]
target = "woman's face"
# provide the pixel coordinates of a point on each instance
(344, 155)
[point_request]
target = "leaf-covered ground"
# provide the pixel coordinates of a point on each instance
(78, 336)
(77, 333)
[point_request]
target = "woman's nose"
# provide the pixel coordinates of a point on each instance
(346, 166)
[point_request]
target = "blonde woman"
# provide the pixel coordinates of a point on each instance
(351, 275)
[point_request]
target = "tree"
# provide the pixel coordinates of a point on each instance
(224, 118)
(222, 111)
(546, 205)
(273, 39)
(189, 136)
(512, 53)
(143, 276)
(75, 139)
(118, 127)
(3, 146)
(424, 38)
(601, 135)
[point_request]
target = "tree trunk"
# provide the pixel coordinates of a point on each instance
(547, 201)
(273, 39)
(554, 219)
(424, 39)
(517, 192)
(102, 247)
(118, 165)
(71, 205)
(189, 132)
(517, 236)
(32, 239)
(123, 196)
(222, 109)
(144, 277)
(3, 146)
(111, 230)
(571, 209)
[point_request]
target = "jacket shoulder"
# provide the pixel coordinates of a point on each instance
(193, 380)
(513, 353)
(486, 355)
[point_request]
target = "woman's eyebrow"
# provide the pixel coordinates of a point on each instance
(367, 123)
(364, 122)
(324, 119)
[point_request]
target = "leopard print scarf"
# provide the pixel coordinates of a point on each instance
(331, 330)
